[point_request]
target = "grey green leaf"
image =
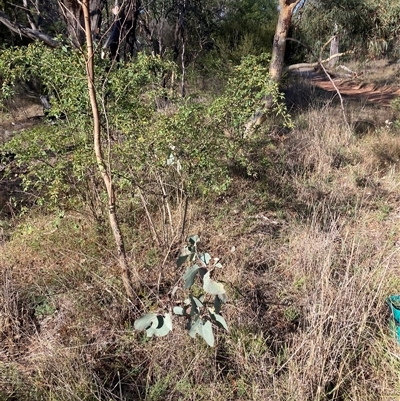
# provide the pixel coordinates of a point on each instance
(145, 321)
(193, 239)
(219, 320)
(194, 329)
(212, 287)
(190, 275)
(205, 331)
(205, 258)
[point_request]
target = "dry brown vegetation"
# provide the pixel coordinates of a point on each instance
(310, 248)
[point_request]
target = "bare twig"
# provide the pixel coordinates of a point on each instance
(339, 94)
(154, 234)
(317, 63)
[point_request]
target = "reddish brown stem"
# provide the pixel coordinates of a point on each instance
(126, 272)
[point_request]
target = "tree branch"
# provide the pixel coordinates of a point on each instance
(317, 63)
(27, 32)
(320, 63)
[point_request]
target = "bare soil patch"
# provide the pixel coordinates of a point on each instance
(22, 113)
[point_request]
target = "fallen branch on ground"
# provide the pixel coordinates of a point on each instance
(317, 63)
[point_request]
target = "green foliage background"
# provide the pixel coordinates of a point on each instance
(369, 27)
(148, 131)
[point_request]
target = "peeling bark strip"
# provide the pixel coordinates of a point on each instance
(286, 8)
(126, 272)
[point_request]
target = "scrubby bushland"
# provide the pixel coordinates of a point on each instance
(304, 221)
(310, 253)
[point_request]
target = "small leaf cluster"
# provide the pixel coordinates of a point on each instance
(155, 325)
(202, 308)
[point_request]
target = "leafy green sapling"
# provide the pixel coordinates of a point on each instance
(202, 308)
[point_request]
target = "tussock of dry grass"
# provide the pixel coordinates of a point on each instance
(310, 249)
(342, 286)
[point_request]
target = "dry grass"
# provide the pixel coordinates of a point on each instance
(310, 249)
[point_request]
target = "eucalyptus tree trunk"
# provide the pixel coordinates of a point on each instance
(334, 49)
(286, 8)
(72, 13)
(180, 43)
(132, 13)
(126, 273)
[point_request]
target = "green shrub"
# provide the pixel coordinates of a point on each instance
(152, 137)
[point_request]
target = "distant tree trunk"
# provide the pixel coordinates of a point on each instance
(122, 37)
(286, 8)
(96, 7)
(114, 39)
(334, 48)
(179, 42)
(132, 16)
(73, 15)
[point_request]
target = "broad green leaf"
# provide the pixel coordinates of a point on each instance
(219, 320)
(197, 301)
(182, 259)
(185, 253)
(222, 298)
(193, 239)
(217, 304)
(150, 331)
(170, 160)
(212, 287)
(195, 305)
(154, 324)
(202, 272)
(145, 321)
(190, 275)
(194, 329)
(160, 326)
(168, 320)
(205, 330)
(164, 327)
(205, 258)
